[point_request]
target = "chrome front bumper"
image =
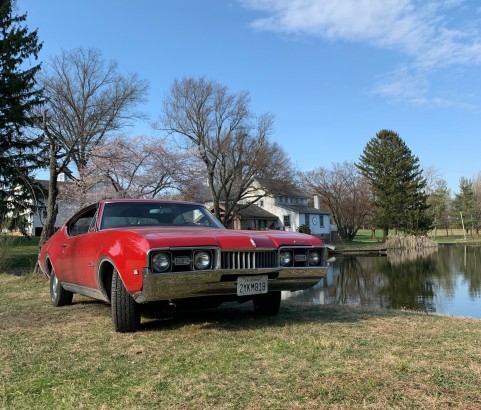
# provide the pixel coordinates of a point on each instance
(167, 286)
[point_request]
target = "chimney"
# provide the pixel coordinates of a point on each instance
(317, 202)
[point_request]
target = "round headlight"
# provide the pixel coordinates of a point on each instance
(160, 262)
(285, 258)
(201, 260)
(314, 258)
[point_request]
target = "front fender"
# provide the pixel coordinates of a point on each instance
(127, 254)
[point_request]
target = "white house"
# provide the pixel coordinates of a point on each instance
(291, 206)
(66, 206)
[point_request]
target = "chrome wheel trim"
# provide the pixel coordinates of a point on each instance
(55, 286)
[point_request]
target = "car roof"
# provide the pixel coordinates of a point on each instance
(174, 201)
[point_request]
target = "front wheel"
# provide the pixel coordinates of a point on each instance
(58, 295)
(267, 304)
(125, 310)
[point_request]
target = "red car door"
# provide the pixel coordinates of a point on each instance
(80, 248)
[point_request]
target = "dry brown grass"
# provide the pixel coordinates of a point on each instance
(308, 357)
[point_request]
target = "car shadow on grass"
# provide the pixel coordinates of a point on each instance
(233, 316)
(237, 317)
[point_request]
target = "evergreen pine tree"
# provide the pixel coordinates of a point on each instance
(18, 98)
(464, 205)
(397, 184)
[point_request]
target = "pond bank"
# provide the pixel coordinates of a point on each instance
(409, 242)
(374, 249)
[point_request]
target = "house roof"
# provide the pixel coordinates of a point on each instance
(44, 183)
(255, 212)
(302, 209)
(280, 188)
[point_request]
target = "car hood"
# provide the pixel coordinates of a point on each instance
(223, 238)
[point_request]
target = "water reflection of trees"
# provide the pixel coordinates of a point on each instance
(401, 256)
(355, 284)
(410, 284)
(375, 281)
(401, 280)
(407, 279)
(466, 261)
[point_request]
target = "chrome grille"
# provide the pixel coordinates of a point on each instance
(248, 259)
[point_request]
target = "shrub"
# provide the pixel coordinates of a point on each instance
(304, 229)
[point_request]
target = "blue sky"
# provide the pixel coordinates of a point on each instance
(333, 72)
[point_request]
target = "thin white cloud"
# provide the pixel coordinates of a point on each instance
(404, 84)
(423, 31)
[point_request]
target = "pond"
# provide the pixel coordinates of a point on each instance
(444, 281)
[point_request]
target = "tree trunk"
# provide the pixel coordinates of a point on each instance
(462, 223)
(52, 207)
(385, 233)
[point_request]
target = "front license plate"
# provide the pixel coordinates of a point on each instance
(251, 285)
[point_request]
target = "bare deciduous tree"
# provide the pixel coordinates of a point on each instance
(229, 139)
(345, 193)
(58, 158)
(87, 100)
(142, 167)
(432, 175)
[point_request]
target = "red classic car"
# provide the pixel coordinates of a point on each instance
(133, 252)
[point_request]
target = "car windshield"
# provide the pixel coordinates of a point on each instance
(122, 214)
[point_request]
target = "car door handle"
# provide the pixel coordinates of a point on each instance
(65, 245)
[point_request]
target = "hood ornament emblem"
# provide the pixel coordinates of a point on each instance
(253, 243)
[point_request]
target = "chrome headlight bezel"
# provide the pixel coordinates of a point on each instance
(285, 258)
(160, 262)
(202, 260)
(314, 257)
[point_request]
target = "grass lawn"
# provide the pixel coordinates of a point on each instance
(455, 236)
(21, 255)
(307, 357)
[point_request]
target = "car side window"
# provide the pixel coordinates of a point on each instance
(82, 224)
(93, 221)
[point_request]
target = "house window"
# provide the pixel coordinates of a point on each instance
(321, 221)
(262, 203)
(287, 221)
(306, 220)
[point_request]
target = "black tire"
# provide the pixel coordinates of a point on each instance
(125, 310)
(58, 295)
(267, 304)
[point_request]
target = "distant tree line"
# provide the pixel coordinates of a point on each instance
(386, 189)
(71, 116)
